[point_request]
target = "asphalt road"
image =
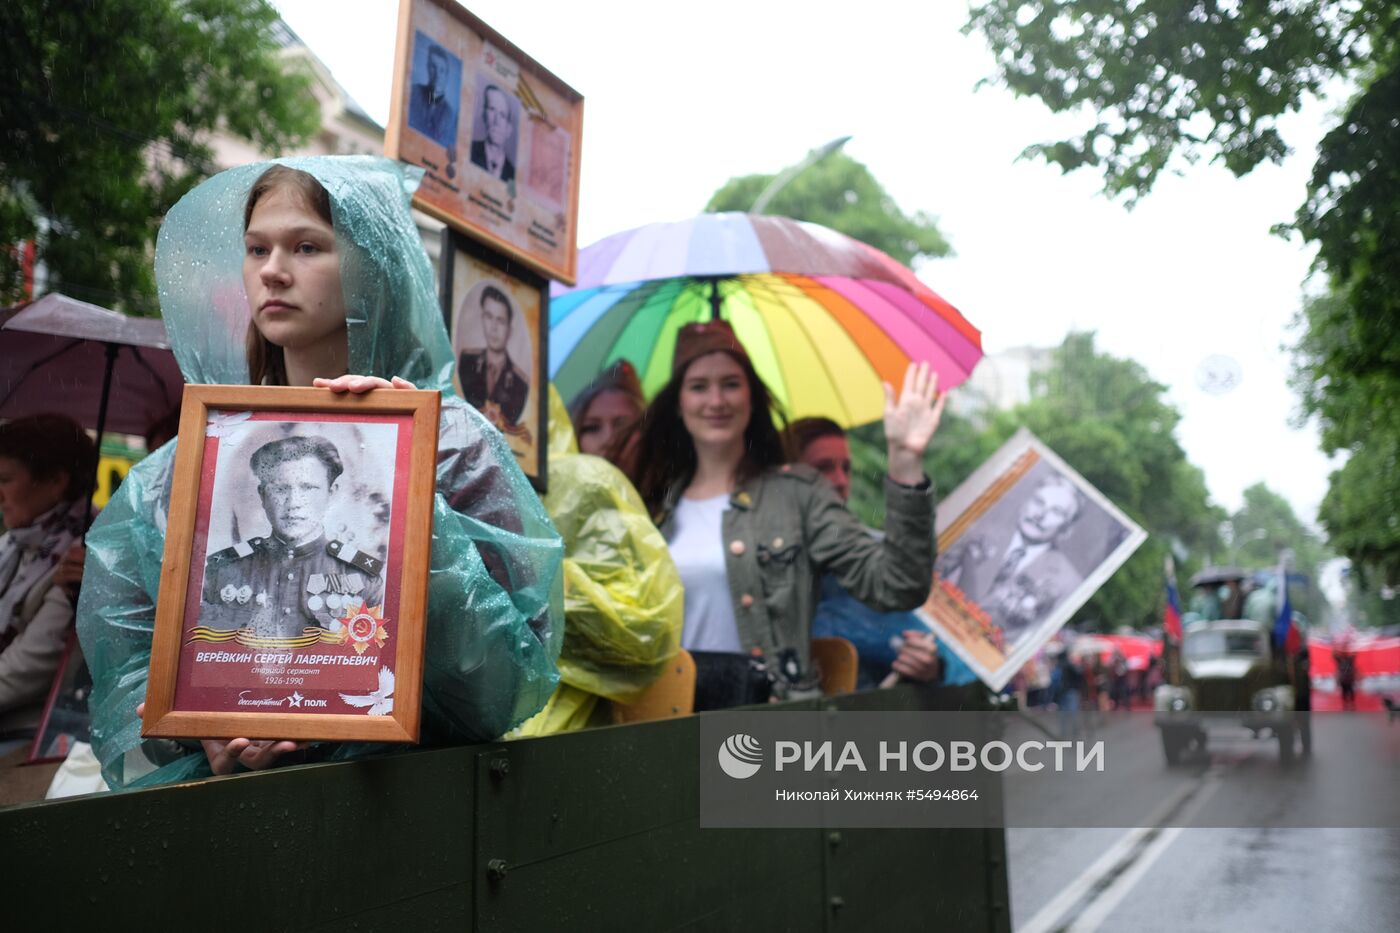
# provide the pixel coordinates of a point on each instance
(1162, 875)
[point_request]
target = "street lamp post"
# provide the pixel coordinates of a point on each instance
(780, 181)
(760, 203)
(1254, 535)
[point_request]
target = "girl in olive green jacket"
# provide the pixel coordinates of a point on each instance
(751, 535)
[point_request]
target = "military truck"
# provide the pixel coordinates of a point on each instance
(1228, 664)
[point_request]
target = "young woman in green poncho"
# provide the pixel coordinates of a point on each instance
(311, 272)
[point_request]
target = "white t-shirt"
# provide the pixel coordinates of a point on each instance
(697, 547)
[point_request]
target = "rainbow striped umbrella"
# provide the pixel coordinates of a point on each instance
(825, 318)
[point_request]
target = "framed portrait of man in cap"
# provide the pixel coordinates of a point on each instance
(497, 314)
(296, 561)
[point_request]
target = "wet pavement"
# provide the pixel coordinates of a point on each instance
(1160, 876)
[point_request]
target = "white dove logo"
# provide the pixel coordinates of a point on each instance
(381, 701)
(740, 756)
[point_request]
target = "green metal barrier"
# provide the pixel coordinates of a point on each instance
(582, 831)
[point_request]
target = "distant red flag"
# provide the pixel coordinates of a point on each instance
(1285, 630)
(1171, 619)
(1293, 641)
(1171, 616)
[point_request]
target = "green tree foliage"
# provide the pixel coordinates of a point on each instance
(1353, 214)
(1159, 79)
(1361, 507)
(1113, 424)
(1266, 526)
(1347, 384)
(1164, 83)
(107, 112)
(840, 193)
(1372, 606)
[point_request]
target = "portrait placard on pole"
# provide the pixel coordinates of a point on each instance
(293, 589)
(498, 135)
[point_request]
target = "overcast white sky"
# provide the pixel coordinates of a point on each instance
(679, 99)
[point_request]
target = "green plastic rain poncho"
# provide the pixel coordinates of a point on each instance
(622, 595)
(495, 601)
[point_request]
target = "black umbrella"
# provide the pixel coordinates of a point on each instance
(53, 350)
(107, 371)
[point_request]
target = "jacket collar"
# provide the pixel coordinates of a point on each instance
(277, 544)
(744, 495)
(743, 498)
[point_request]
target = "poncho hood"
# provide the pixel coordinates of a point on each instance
(393, 320)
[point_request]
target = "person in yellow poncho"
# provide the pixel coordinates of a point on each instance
(623, 602)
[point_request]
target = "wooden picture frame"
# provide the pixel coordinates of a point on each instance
(518, 403)
(250, 626)
(497, 135)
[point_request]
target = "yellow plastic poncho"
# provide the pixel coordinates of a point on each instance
(495, 601)
(623, 602)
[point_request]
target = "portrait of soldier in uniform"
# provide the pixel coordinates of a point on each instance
(490, 379)
(434, 98)
(296, 577)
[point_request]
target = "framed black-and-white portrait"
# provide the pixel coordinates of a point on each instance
(294, 581)
(497, 313)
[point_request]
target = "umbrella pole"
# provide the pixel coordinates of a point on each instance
(112, 349)
(714, 299)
